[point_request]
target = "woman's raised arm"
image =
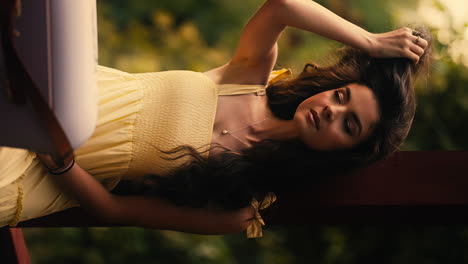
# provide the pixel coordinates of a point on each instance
(257, 45)
(146, 211)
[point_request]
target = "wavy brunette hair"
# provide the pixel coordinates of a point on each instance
(230, 179)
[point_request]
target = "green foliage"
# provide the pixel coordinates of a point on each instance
(148, 35)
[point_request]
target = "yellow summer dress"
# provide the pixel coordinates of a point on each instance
(138, 114)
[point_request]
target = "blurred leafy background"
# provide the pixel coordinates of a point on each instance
(148, 35)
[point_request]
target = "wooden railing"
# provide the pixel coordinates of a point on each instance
(423, 187)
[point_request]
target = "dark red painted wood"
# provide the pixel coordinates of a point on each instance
(407, 178)
(423, 187)
(410, 187)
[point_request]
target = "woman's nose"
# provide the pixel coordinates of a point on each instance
(330, 112)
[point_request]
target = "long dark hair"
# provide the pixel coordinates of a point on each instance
(230, 179)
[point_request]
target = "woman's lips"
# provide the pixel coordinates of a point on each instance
(313, 116)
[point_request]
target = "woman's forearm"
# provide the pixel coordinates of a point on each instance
(310, 16)
(257, 47)
(148, 211)
(91, 195)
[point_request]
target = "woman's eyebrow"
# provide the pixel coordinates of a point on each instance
(358, 122)
(348, 94)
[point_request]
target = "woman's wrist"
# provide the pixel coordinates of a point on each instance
(368, 42)
(62, 170)
(51, 164)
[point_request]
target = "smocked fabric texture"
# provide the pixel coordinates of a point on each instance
(139, 117)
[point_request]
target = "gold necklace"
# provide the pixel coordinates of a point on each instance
(231, 133)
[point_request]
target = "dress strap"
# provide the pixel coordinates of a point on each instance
(235, 89)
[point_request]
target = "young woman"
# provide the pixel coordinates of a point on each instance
(216, 142)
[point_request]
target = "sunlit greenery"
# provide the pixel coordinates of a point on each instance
(148, 35)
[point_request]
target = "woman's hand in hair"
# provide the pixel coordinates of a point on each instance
(400, 43)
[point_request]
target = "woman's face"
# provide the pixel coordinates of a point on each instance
(337, 119)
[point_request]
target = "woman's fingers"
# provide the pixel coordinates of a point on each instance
(414, 45)
(419, 41)
(417, 50)
(403, 42)
(412, 56)
(46, 159)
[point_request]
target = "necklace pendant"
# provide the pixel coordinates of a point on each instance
(224, 132)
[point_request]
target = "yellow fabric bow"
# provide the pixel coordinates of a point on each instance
(255, 228)
(278, 75)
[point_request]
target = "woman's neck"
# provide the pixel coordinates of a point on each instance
(275, 128)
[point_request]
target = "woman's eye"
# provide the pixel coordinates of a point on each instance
(338, 96)
(347, 127)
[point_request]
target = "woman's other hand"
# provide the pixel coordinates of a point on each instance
(400, 43)
(47, 160)
(53, 163)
